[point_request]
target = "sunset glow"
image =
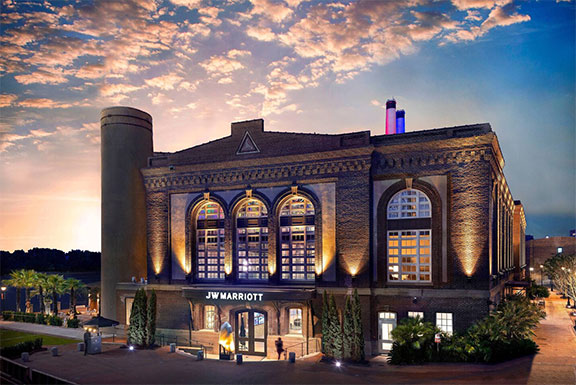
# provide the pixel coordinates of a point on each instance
(304, 66)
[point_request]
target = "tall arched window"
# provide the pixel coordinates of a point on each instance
(210, 241)
(252, 240)
(297, 239)
(410, 241)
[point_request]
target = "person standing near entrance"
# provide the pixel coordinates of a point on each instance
(87, 338)
(279, 346)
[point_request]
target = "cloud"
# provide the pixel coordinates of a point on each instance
(165, 82)
(487, 4)
(218, 64)
(276, 11)
(115, 89)
(7, 100)
(503, 16)
(43, 103)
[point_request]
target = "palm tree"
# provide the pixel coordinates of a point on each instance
(40, 283)
(17, 281)
(93, 298)
(28, 282)
(74, 285)
(56, 284)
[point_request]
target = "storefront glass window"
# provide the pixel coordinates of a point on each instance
(295, 325)
(210, 242)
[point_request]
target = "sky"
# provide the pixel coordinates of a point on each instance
(303, 66)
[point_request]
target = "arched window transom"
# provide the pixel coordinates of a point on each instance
(252, 240)
(297, 239)
(409, 203)
(210, 241)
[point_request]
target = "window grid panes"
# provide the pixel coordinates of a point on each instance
(414, 314)
(444, 322)
(407, 204)
(297, 243)
(295, 325)
(209, 317)
(210, 242)
(409, 256)
(252, 242)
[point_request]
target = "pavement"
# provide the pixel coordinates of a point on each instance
(555, 364)
(75, 334)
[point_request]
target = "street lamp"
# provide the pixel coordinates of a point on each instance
(541, 276)
(3, 290)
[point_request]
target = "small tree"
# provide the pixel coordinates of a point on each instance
(358, 334)
(137, 328)
(151, 324)
(335, 330)
(326, 336)
(348, 337)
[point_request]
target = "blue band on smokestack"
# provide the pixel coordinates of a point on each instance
(400, 121)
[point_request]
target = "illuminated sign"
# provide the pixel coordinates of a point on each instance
(234, 296)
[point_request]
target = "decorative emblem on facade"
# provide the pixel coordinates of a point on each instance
(247, 146)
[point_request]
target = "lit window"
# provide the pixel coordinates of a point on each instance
(210, 241)
(409, 257)
(560, 250)
(209, 317)
(252, 240)
(444, 322)
(297, 239)
(414, 314)
(386, 323)
(409, 203)
(295, 326)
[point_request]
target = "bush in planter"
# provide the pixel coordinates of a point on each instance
(16, 350)
(54, 320)
(7, 315)
(413, 342)
(30, 318)
(41, 318)
(73, 323)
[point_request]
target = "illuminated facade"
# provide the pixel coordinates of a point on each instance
(252, 228)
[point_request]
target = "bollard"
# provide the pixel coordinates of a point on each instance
(25, 357)
(200, 355)
(239, 359)
(54, 351)
(81, 346)
(172, 348)
(292, 357)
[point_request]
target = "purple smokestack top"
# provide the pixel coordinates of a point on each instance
(390, 117)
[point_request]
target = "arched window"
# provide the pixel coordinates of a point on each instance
(210, 241)
(410, 243)
(297, 239)
(252, 240)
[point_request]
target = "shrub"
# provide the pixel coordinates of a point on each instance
(7, 315)
(41, 318)
(413, 342)
(536, 291)
(73, 323)
(151, 319)
(137, 328)
(16, 350)
(54, 320)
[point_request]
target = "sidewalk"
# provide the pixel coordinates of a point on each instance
(556, 362)
(76, 334)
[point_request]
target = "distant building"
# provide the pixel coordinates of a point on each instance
(254, 227)
(573, 233)
(539, 250)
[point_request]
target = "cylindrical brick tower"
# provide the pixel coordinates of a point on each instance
(126, 145)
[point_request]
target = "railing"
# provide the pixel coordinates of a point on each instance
(26, 375)
(164, 340)
(313, 347)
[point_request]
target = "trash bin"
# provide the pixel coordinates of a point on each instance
(81, 346)
(172, 347)
(54, 351)
(292, 357)
(200, 355)
(25, 357)
(239, 359)
(95, 345)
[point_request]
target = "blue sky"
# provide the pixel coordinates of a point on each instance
(306, 66)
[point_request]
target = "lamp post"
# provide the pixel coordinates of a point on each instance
(2, 291)
(541, 276)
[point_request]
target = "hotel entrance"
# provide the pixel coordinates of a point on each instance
(251, 332)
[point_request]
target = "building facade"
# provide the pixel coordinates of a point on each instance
(540, 250)
(252, 229)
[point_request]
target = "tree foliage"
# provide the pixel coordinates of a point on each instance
(138, 318)
(561, 268)
(348, 331)
(151, 319)
(358, 335)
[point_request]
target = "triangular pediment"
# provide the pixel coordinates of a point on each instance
(247, 146)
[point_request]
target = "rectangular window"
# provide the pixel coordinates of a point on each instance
(414, 314)
(209, 317)
(295, 326)
(444, 322)
(414, 248)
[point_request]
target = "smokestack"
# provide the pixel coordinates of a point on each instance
(400, 121)
(390, 117)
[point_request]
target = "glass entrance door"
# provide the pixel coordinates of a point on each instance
(251, 332)
(386, 323)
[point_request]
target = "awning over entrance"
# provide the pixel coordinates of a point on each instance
(246, 294)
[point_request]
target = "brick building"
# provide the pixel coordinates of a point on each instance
(539, 250)
(252, 228)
